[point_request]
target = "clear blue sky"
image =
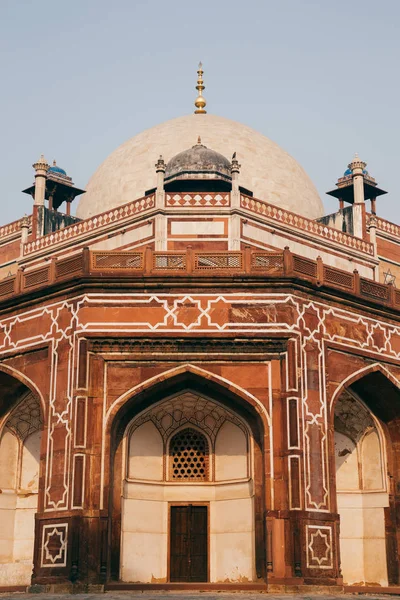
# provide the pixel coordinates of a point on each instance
(319, 77)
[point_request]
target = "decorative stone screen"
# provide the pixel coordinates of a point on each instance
(188, 455)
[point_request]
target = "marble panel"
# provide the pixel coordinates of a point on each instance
(232, 555)
(144, 516)
(187, 227)
(230, 453)
(375, 568)
(231, 516)
(146, 453)
(143, 557)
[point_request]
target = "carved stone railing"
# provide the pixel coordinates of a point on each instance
(212, 199)
(92, 224)
(162, 266)
(308, 225)
(387, 227)
(14, 227)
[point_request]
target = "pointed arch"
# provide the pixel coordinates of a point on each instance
(159, 405)
(29, 384)
(187, 370)
(22, 417)
(187, 377)
(361, 470)
(359, 374)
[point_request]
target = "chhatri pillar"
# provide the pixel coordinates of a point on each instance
(355, 187)
(234, 234)
(41, 167)
(160, 219)
(24, 232)
(371, 226)
(357, 167)
(160, 170)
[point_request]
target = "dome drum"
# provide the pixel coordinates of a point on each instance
(199, 169)
(185, 175)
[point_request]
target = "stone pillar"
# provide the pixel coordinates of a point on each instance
(160, 219)
(234, 232)
(316, 528)
(24, 232)
(160, 232)
(234, 225)
(41, 167)
(160, 170)
(357, 167)
(71, 541)
(372, 238)
(235, 194)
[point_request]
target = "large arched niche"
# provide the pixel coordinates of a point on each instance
(21, 424)
(245, 416)
(148, 437)
(366, 418)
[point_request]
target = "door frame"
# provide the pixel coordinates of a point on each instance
(170, 504)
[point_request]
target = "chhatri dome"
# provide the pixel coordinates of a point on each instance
(198, 162)
(56, 170)
(269, 172)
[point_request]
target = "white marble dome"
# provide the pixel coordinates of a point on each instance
(267, 170)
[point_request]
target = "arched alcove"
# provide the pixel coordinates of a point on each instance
(366, 418)
(20, 437)
(149, 506)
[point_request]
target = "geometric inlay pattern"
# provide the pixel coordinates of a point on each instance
(351, 417)
(188, 452)
(54, 545)
(319, 547)
(26, 418)
(188, 408)
(315, 323)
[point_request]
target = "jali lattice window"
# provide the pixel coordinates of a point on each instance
(188, 455)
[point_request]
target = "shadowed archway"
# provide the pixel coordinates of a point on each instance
(21, 425)
(192, 382)
(366, 424)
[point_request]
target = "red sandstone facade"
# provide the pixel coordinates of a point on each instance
(276, 331)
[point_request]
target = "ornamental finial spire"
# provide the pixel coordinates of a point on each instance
(200, 102)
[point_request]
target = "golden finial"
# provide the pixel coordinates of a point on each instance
(200, 101)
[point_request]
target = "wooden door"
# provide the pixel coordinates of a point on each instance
(189, 543)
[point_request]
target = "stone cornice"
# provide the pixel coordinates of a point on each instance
(167, 348)
(212, 271)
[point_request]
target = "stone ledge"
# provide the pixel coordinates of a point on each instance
(199, 587)
(372, 589)
(63, 588)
